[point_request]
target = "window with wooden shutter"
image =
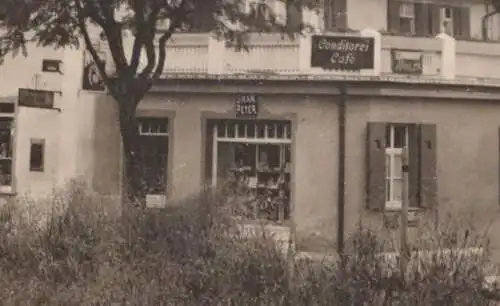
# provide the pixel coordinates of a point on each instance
(393, 16)
(385, 180)
(376, 170)
(427, 19)
(422, 22)
(407, 18)
(428, 165)
(335, 15)
(461, 22)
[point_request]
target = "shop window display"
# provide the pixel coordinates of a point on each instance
(254, 160)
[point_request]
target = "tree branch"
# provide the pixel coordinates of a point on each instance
(149, 36)
(88, 45)
(162, 43)
(138, 7)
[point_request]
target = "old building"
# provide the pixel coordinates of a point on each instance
(314, 127)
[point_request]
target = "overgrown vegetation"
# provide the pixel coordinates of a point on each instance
(195, 255)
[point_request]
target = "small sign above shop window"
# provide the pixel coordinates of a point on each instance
(247, 106)
(36, 98)
(347, 53)
(407, 62)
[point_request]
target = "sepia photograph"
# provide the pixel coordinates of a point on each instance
(250, 152)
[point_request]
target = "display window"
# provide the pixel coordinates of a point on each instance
(253, 159)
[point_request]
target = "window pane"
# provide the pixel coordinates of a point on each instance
(37, 156)
(399, 136)
(388, 189)
(407, 10)
(388, 165)
(153, 153)
(261, 130)
(397, 185)
(231, 132)
(397, 172)
(407, 25)
(388, 136)
(271, 131)
(251, 130)
(258, 177)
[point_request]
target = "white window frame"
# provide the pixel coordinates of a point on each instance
(150, 132)
(407, 11)
(392, 174)
(285, 139)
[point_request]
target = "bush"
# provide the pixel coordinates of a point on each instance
(195, 254)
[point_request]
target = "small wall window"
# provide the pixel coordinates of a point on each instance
(37, 155)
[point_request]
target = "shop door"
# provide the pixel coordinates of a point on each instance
(153, 153)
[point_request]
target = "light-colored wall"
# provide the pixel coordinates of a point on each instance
(67, 132)
(467, 155)
(315, 146)
(362, 14)
(20, 71)
(33, 123)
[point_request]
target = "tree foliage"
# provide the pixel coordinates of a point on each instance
(130, 29)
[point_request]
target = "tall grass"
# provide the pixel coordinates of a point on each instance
(195, 255)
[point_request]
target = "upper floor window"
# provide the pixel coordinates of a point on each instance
(335, 14)
(407, 17)
(428, 19)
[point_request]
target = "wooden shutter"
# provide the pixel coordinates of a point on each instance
(335, 14)
(209, 141)
(422, 15)
(375, 155)
(340, 9)
(428, 165)
(457, 22)
(413, 164)
(294, 19)
(461, 22)
(393, 16)
(435, 19)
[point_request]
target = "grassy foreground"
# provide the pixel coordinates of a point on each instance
(81, 255)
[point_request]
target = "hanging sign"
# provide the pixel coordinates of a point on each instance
(247, 106)
(91, 77)
(342, 52)
(36, 98)
(407, 61)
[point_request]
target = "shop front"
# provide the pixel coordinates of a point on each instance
(274, 148)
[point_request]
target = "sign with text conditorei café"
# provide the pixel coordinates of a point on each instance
(342, 52)
(247, 106)
(407, 62)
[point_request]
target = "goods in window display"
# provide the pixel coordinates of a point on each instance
(253, 159)
(263, 187)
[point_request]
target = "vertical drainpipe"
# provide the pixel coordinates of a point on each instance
(341, 167)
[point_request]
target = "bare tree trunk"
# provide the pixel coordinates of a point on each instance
(134, 195)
